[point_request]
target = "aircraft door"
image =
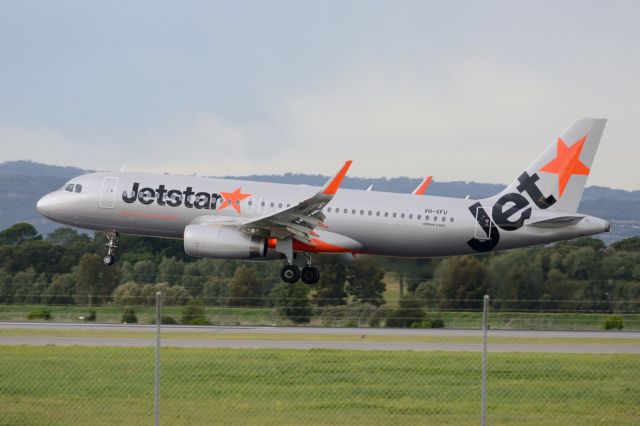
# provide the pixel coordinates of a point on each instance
(483, 225)
(108, 193)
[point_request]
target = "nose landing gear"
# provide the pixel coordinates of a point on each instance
(112, 244)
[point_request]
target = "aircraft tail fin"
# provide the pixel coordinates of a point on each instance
(558, 176)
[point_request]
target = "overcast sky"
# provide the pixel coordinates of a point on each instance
(459, 90)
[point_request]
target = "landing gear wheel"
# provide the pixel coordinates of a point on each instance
(290, 274)
(310, 275)
(108, 260)
(112, 244)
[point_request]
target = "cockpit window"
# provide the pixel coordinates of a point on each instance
(78, 188)
(69, 187)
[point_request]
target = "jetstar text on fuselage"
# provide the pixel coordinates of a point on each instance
(172, 197)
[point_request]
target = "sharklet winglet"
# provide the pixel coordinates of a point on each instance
(332, 186)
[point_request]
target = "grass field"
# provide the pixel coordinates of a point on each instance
(267, 316)
(106, 386)
(196, 333)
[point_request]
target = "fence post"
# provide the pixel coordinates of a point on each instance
(156, 401)
(485, 327)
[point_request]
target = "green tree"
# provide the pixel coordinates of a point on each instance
(170, 270)
(175, 295)
(127, 294)
(628, 244)
(559, 288)
(582, 263)
(61, 290)
(18, 233)
(23, 283)
(330, 289)
(194, 313)
(462, 282)
(365, 283)
(66, 236)
(144, 271)
(245, 288)
(292, 301)
(216, 291)
(427, 293)
(94, 281)
(193, 278)
(6, 287)
(410, 312)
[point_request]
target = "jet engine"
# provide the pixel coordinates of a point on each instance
(223, 243)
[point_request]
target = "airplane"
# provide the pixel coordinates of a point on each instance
(235, 219)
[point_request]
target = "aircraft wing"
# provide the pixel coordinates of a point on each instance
(299, 221)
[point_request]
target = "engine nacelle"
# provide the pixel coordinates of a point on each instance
(222, 242)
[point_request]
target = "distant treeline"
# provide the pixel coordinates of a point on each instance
(65, 268)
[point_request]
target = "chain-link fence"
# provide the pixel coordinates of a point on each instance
(76, 373)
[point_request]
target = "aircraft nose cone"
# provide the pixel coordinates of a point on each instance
(46, 205)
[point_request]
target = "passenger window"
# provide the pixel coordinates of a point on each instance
(426, 217)
(435, 218)
(369, 212)
(78, 188)
(386, 214)
(361, 212)
(444, 219)
(329, 209)
(280, 205)
(402, 216)
(394, 215)
(419, 217)
(410, 216)
(346, 211)
(451, 220)
(69, 187)
(353, 211)
(378, 214)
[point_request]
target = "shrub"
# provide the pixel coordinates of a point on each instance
(92, 315)
(376, 318)
(292, 301)
(409, 313)
(199, 321)
(39, 313)
(165, 319)
(129, 316)
(614, 322)
(437, 323)
(350, 323)
(422, 324)
(193, 313)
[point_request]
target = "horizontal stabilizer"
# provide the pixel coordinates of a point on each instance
(557, 222)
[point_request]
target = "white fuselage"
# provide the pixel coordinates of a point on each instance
(390, 224)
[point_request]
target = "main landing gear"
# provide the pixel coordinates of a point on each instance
(112, 244)
(290, 273)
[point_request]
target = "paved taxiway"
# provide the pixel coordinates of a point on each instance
(564, 337)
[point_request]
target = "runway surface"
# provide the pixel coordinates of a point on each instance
(563, 346)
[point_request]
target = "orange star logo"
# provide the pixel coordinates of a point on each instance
(567, 162)
(233, 199)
